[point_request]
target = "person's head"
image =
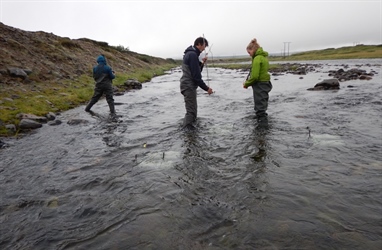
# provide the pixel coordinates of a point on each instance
(201, 43)
(101, 59)
(252, 47)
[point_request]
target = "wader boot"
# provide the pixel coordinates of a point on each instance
(112, 108)
(191, 107)
(113, 116)
(89, 106)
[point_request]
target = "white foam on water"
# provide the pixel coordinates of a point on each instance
(165, 159)
(326, 140)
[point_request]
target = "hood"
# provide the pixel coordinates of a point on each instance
(101, 59)
(192, 48)
(261, 52)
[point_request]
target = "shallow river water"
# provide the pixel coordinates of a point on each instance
(311, 181)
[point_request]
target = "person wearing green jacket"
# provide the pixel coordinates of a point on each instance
(259, 79)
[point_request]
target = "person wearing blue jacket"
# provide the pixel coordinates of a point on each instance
(103, 76)
(192, 79)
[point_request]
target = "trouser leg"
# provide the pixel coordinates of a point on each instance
(109, 98)
(96, 96)
(191, 106)
(261, 96)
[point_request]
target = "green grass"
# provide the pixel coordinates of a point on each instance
(354, 52)
(142, 75)
(40, 98)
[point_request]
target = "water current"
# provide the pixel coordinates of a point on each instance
(312, 180)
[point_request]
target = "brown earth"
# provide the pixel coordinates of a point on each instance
(49, 57)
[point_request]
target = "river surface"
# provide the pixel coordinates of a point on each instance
(312, 180)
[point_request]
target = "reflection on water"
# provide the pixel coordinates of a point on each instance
(309, 180)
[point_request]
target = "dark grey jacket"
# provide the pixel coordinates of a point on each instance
(192, 70)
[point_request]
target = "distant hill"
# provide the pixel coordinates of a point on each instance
(50, 57)
(359, 51)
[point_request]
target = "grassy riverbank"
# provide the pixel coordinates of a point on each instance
(41, 98)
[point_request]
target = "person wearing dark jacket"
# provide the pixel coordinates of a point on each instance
(192, 79)
(259, 79)
(103, 76)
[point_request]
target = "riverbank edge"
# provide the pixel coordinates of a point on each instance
(10, 127)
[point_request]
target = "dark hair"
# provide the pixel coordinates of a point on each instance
(201, 41)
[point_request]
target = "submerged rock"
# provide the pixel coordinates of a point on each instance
(54, 123)
(77, 121)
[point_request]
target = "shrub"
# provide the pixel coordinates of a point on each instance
(144, 58)
(66, 42)
(121, 48)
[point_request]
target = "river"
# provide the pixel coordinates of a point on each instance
(312, 180)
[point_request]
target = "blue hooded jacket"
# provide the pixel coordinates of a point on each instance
(102, 73)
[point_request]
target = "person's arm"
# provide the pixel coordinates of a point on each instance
(196, 71)
(255, 73)
(110, 72)
(202, 63)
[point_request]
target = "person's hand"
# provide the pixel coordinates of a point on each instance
(204, 59)
(210, 91)
(244, 85)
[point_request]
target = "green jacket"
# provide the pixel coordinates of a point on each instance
(259, 70)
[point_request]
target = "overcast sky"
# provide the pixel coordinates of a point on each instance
(165, 28)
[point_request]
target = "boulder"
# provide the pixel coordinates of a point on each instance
(50, 116)
(11, 127)
(32, 117)
(16, 72)
(133, 84)
(29, 124)
(365, 77)
(351, 74)
(328, 84)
